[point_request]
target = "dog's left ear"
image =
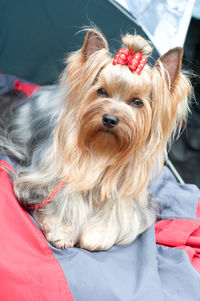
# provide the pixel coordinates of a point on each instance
(93, 42)
(172, 61)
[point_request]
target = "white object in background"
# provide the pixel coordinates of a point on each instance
(164, 21)
(196, 10)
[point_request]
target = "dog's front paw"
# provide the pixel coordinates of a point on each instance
(97, 238)
(60, 235)
(61, 239)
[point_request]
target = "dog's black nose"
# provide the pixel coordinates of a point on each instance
(110, 121)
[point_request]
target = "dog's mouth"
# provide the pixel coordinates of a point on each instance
(107, 135)
(103, 141)
(107, 131)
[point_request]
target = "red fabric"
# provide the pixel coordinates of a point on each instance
(182, 234)
(198, 210)
(28, 268)
(28, 89)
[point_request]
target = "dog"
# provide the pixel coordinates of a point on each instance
(90, 145)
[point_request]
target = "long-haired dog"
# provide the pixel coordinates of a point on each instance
(100, 133)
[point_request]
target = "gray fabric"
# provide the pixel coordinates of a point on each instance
(178, 279)
(122, 273)
(12, 162)
(140, 271)
(176, 200)
(6, 83)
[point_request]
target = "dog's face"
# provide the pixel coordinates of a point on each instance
(115, 115)
(120, 111)
(116, 118)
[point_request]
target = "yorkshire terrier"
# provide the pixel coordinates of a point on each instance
(88, 147)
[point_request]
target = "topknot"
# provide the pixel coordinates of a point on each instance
(136, 43)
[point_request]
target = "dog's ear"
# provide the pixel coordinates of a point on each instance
(93, 42)
(172, 61)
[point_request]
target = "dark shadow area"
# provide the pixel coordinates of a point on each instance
(185, 152)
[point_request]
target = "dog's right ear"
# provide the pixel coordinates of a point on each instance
(172, 61)
(93, 42)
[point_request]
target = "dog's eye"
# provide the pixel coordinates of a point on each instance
(136, 102)
(102, 93)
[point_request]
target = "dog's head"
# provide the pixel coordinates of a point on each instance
(115, 112)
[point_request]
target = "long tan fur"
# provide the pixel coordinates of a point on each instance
(105, 200)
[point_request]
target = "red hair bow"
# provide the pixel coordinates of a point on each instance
(135, 62)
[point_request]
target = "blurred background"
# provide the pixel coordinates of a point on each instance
(36, 36)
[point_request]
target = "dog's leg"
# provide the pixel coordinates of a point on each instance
(98, 236)
(59, 234)
(101, 231)
(116, 224)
